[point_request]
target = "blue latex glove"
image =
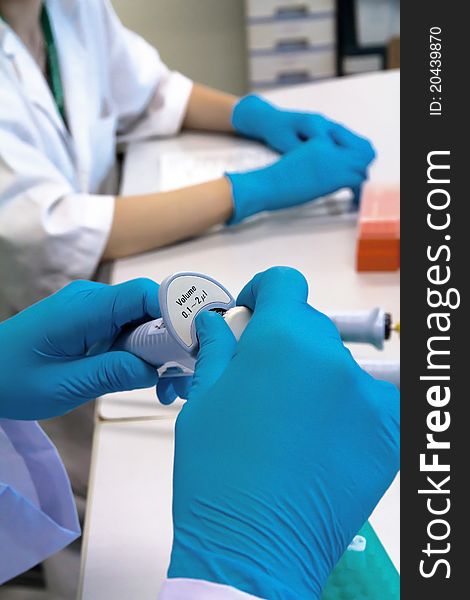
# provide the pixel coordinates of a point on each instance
(54, 355)
(283, 449)
(282, 130)
(315, 168)
(170, 388)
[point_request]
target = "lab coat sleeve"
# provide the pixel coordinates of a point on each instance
(37, 512)
(49, 233)
(150, 99)
(196, 589)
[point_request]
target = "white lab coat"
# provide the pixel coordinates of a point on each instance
(56, 208)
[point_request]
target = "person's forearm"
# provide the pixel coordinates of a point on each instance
(209, 110)
(150, 221)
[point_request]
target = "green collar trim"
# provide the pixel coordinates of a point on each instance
(53, 66)
(52, 57)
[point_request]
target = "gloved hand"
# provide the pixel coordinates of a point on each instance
(283, 449)
(170, 388)
(315, 168)
(54, 355)
(282, 130)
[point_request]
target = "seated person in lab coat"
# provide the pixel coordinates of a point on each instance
(282, 451)
(72, 79)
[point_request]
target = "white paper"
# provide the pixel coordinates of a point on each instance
(178, 169)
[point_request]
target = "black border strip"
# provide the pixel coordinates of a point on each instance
(422, 133)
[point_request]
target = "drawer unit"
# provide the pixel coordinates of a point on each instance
(266, 9)
(290, 41)
(291, 67)
(291, 34)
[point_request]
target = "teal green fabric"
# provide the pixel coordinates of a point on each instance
(283, 449)
(364, 575)
(53, 66)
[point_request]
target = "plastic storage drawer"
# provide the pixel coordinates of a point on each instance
(291, 67)
(291, 35)
(261, 9)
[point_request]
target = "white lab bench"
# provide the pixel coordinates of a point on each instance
(127, 534)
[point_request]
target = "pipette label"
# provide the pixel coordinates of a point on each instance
(182, 296)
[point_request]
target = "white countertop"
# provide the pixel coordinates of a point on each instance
(128, 528)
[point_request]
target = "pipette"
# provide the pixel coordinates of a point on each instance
(170, 342)
(364, 326)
